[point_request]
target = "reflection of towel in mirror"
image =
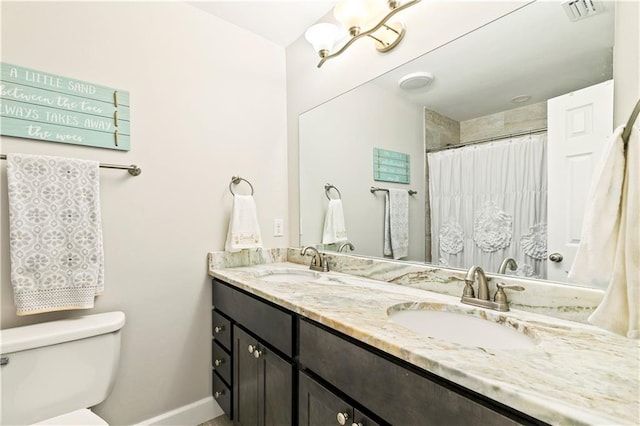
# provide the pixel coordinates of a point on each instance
(396, 223)
(57, 260)
(244, 231)
(334, 226)
(609, 250)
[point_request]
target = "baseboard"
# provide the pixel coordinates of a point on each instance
(188, 415)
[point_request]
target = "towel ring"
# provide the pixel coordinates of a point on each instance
(328, 187)
(236, 180)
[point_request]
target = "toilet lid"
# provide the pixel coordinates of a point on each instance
(83, 417)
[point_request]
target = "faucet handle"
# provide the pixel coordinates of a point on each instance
(500, 296)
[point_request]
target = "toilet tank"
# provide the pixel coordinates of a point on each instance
(52, 368)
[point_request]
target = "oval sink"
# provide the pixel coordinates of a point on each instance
(287, 275)
(461, 328)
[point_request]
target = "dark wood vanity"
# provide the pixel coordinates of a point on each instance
(274, 367)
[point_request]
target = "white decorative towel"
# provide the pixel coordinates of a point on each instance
(55, 233)
(335, 230)
(244, 231)
(396, 223)
(595, 257)
(610, 246)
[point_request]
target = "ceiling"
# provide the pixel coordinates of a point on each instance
(281, 22)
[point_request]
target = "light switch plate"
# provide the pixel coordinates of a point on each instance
(278, 228)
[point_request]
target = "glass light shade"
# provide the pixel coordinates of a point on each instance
(358, 13)
(322, 36)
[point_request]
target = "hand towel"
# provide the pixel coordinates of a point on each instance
(55, 233)
(396, 224)
(619, 311)
(335, 230)
(244, 231)
(595, 257)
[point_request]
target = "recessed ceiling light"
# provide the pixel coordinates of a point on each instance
(415, 80)
(520, 99)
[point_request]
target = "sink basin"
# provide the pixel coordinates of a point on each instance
(287, 275)
(461, 328)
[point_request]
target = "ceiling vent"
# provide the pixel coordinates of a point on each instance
(580, 9)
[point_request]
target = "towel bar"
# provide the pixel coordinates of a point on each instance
(374, 189)
(236, 180)
(132, 169)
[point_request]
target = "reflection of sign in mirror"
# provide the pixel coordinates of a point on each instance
(43, 106)
(390, 166)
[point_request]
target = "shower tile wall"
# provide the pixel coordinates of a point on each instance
(441, 131)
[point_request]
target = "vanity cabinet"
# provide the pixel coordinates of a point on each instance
(393, 392)
(261, 347)
(318, 406)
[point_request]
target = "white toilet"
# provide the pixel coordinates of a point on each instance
(52, 372)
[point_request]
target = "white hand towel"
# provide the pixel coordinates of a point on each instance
(396, 224)
(244, 231)
(614, 217)
(55, 233)
(335, 230)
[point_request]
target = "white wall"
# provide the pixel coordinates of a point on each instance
(338, 149)
(208, 102)
(429, 25)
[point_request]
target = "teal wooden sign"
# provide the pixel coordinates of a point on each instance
(42, 106)
(391, 166)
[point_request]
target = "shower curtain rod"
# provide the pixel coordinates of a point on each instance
(132, 169)
(491, 139)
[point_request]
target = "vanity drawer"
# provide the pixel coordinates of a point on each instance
(222, 395)
(221, 361)
(221, 330)
(269, 322)
(405, 396)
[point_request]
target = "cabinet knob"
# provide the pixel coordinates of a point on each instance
(218, 394)
(257, 353)
(218, 329)
(218, 362)
(251, 348)
(357, 424)
(342, 418)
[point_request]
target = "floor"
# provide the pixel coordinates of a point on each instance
(218, 421)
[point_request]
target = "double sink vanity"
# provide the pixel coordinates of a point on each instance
(297, 346)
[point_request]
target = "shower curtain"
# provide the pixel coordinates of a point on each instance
(489, 202)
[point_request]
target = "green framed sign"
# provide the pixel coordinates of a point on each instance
(391, 166)
(43, 106)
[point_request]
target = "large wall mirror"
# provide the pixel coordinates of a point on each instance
(485, 128)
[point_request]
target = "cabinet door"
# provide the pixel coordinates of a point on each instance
(245, 380)
(263, 383)
(318, 406)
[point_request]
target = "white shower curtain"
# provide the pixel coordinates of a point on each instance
(489, 202)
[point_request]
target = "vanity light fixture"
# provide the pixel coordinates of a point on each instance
(355, 15)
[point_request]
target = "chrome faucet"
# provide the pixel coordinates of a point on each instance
(318, 261)
(347, 244)
(508, 262)
(499, 302)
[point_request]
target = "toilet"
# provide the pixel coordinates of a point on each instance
(52, 372)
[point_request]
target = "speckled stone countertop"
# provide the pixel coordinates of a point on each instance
(576, 373)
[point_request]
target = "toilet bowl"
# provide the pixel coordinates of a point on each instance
(53, 372)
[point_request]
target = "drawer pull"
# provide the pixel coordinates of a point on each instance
(251, 348)
(357, 424)
(218, 362)
(342, 418)
(218, 394)
(257, 353)
(218, 328)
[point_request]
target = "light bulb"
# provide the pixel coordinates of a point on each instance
(322, 37)
(356, 14)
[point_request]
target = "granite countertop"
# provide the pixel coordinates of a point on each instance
(575, 374)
